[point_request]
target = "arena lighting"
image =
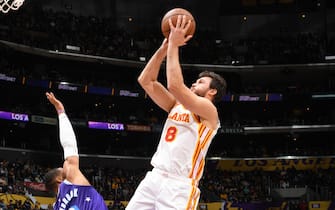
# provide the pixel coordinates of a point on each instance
(6, 5)
(73, 48)
(4, 77)
(105, 125)
(285, 129)
(329, 57)
(14, 116)
(323, 96)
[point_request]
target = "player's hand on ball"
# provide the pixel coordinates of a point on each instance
(173, 15)
(178, 33)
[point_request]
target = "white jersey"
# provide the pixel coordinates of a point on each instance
(183, 144)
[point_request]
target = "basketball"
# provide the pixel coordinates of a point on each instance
(173, 14)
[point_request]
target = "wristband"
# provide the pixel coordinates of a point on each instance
(60, 111)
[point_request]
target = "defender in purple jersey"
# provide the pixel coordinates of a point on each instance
(73, 190)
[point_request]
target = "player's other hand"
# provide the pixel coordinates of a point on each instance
(54, 101)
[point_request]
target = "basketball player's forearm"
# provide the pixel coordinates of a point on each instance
(151, 70)
(173, 68)
(67, 136)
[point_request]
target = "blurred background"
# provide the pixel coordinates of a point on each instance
(276, 143)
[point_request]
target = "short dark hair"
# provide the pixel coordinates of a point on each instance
(50, 179)
(218, 83)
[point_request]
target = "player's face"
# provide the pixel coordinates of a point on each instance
(201, 86)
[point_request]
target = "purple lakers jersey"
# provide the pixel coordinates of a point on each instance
(78, 197)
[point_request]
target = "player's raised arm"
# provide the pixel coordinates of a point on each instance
(199, 99)
(66, 133)
(148, 80)
(69, 143)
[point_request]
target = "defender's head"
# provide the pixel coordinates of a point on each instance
(53, 179)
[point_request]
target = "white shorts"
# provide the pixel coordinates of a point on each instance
(162, 191)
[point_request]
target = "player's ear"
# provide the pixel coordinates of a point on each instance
(212, 92)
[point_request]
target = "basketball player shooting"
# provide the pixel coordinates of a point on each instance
(72, 188)
(192, 122)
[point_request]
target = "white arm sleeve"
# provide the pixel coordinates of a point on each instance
(67, 136)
